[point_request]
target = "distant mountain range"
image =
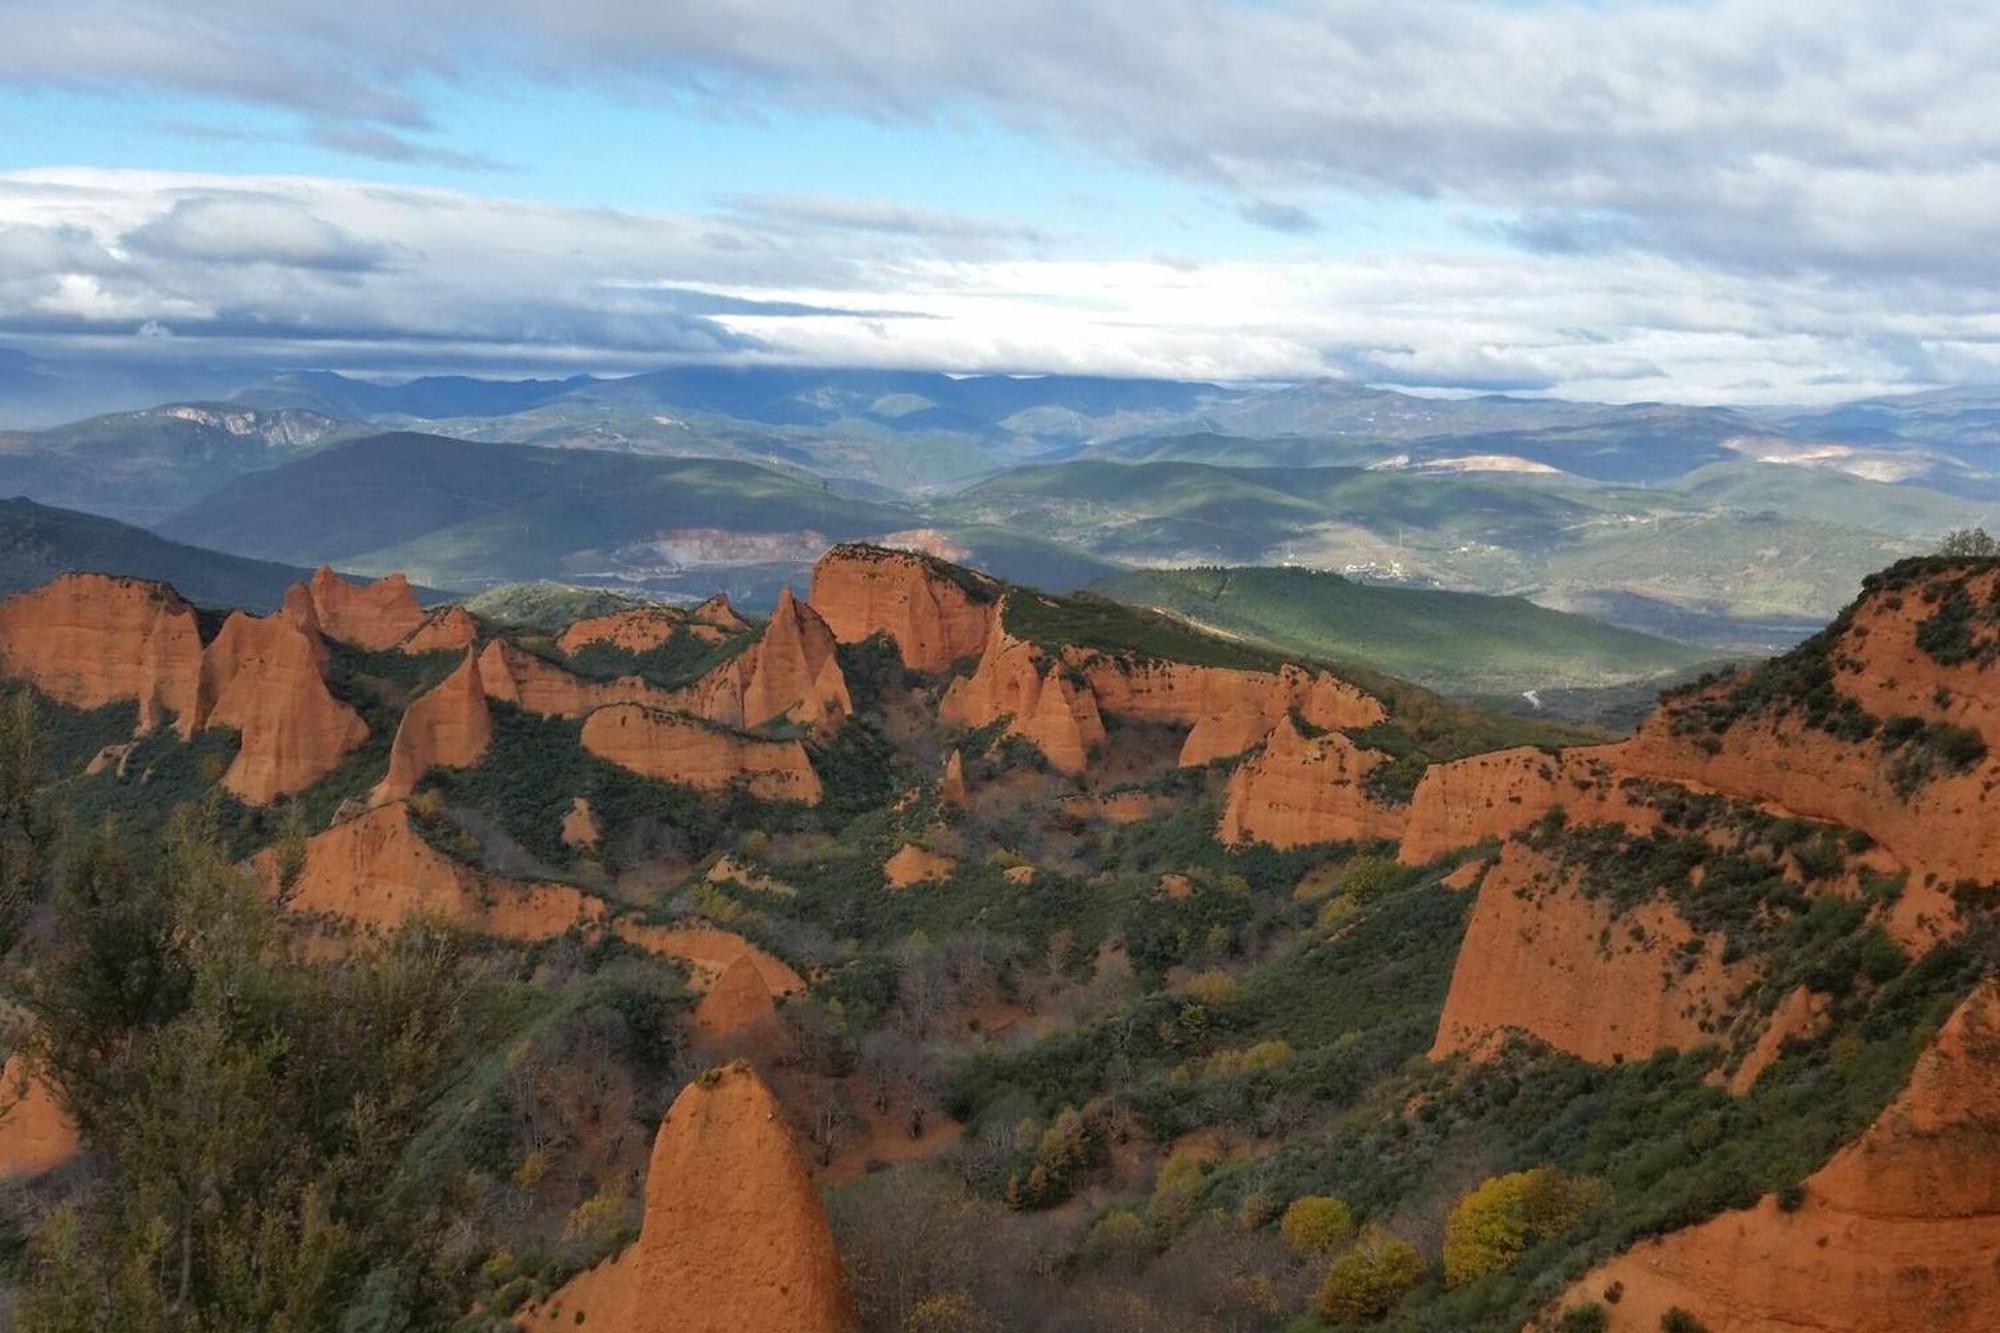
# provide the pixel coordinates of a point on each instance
(1737, 528)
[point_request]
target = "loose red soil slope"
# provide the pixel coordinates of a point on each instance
(676, 747)
(372, 616)
(266, 677)
(1900, 1231)
(447, 726)
(733, 1239)
(87, 640)
(377, 871)
(1302, 790)
(36, 1134)
(1542, 958)
(933, 617)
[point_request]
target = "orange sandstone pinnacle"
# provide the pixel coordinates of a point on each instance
(733, 1238)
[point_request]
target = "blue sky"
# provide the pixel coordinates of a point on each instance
(1742, 200)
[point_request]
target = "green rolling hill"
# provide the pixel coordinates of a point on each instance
(1460, 643)
(464, 514)
(38, 542)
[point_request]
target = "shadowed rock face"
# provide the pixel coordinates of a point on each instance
(87, 640)
(1899, 1231)
(675, 747)
(734, 1237)
(373, 616)
(737, 1016)
(448, 627)
(934, 619)
(447, 726)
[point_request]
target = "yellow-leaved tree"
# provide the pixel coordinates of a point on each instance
(1496, 1223)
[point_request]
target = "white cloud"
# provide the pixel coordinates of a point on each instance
(1844, 136)
(349, 273)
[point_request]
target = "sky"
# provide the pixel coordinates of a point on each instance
(1694, 200)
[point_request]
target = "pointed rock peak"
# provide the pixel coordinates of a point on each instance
(951, 787)
(738, 1002)
(733, 1237)
(719, 612)
(300, 609)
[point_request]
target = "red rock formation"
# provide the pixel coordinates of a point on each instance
(36, 1134)
(1497, 795)
(1899, 1231)
(676, 747)
(710, 952)
(638, 630)
(936, 617)
(265, 676)
(1016, 680)
(1542, 958)
(734, 1237)
(912, 865)
(448, 726)
(579, 826)
(1229, 710)
(447, 628)
(790, 673)
(87, 640)
(737, 1016)
(372, 616)
(377, 871)
(951, 786)
(517, 676)
(1302, 790)
(718, 614)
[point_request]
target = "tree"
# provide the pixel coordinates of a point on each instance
(1367, 1282)
(1969, 543)
(1317, 1225)
(1496, 1223)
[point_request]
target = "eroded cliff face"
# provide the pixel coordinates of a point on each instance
(737, 1017)
(372, 616)
(709, 951)
(266, 677)
(1898, 1231)
(447, 726)
(1015, 679)
(1301, 790)
(676, 747)
(449, 628)
(1228, 710)
(1497, 795)
(1543, 957)
(377, 871)
(935, 618)
(791, 673)
(87, 640)
(733, 1236)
